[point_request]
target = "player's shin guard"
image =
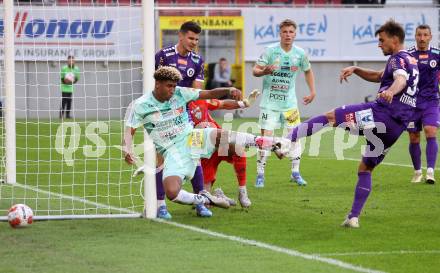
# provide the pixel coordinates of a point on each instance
(431, 151)
(416, 155)
(362, 191)
(197, 180)
(262, 155)
(308, 127)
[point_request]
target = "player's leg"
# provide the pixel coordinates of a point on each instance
(414, 128)
(431, 121)
(63, 104)
(162, 210)
(197, 180)
(291, 119)
(269, 120)
(68, 105)
(361, 193)
(263, 154)
(239, 163)
(416, 155)
(379, 141)
(431, 152)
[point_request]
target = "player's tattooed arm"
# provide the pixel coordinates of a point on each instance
(366, 74)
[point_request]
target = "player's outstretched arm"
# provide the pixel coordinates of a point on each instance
(127, 145)
(221, 92)
(233, 104)
(366, 74)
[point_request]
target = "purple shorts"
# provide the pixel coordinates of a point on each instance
(429, 116)
(373, 121)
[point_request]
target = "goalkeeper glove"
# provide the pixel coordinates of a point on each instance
(251, 98)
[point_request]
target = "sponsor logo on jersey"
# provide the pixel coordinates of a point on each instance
(195, 58)
(411, 125)
(293, 68)
(182, 61)
(423, 56)
(170, 54)
(190, 72)
(433, 63)
(349, 118)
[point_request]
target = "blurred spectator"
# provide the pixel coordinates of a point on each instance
(222, 74)
(69, 76)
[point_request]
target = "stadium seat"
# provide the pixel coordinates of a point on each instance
(161, 2)
(336, 2)
(242, 2)
(184, 2)
(123, 2)
(104, 2)
(300, 2)
(223, 2)
(203, 2)
(277, 2)
(319, 2)
(74, 3)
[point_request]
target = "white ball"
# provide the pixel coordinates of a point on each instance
(70, 77)
(20, 215)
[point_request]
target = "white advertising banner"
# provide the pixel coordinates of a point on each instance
(88, 33)
(345, 34)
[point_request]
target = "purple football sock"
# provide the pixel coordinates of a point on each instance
(416, 155)
(431, 151)
(160, 192)
(363, 189)
(308, 127)
(197, 180)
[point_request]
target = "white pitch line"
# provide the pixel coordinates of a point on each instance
(382, 163)
(74, 198)
(373, 253)
(274, 248)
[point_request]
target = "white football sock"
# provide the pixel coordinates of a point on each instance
(187, 198)
(262, 156)
(161, 203)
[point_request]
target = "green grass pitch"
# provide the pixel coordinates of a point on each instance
(400, 224)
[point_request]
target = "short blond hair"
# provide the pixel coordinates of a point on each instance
(167, 73)
(287, 23)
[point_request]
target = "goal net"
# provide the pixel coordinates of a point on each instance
(69, 163)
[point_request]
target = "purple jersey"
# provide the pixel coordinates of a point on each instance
(429, 67)
(190, 66)
(404, 103)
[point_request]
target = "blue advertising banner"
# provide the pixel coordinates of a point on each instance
(345, 34)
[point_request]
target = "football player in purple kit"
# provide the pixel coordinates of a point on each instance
(427, 113)
(381, 121)
(191, 67)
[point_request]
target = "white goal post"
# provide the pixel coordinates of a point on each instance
(67, 167)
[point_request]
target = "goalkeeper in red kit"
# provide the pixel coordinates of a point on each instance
(199, 111)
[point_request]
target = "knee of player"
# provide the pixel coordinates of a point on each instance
(430, 131)
(171, 187)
